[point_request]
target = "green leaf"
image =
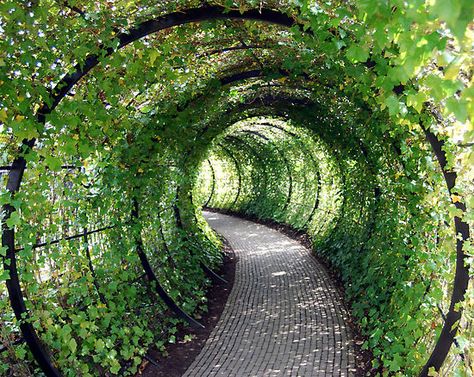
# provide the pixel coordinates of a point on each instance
(448, 10)
(99, 345)
(115, 368)
(393, 105)
(3, 251)
(72, 345)
(458, 108)
(53, 163)
(4, 275)
(416, 101)
(13, 220)
(20, 352)
(153, 55)
(3, 115)
(357, 54)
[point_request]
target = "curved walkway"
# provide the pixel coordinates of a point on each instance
(284, 316)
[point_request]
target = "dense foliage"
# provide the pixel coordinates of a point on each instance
(351, 89)
(349, 215)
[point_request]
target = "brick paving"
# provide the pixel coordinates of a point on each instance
(284, 316)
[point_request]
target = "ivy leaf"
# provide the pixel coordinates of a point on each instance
(458, 108)
(416, 100)
(3, 251)
(115, 368)
(455, 212)
(393, 105)
(99, 345)
(4, 275)
(357, 54)
(380, 35)
(3, 115)
(72, 345)
(395, 364)
(153, 55)
(448, 10)
(463, 342)
(53, 163)
(20, 352)
(13, 220)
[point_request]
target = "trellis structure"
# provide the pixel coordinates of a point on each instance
(204, 69)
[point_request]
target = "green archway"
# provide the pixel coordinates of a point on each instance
(364, 78)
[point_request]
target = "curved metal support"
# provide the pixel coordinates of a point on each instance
(313, 161)
(461, 278)
(445, 340)
(205, 13)
(17, 302)
(91, 268)
(208, 271)
(234, 48)
(194, 15)
(239, 173)
(254, 153)
(377, 191)
(165, 245)
(57, 94)
(316, 202)
(344, 199)
(213, 187)
(285, 161)
(215, 278)
(152, 277)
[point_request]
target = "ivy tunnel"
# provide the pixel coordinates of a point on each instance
(120, 121)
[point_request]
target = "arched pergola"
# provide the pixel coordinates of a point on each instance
(267, 91)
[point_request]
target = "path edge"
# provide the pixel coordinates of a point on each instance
(363, 357)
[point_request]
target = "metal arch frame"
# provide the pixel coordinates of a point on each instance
(168, 21)
(316, 202)
(179, 224)
(163, 239)
(237, 167)
(285, 162)
(461, 279)
(319, 178)
(303, 146)
(315, 165)
(340, 214)
(377, 190)
(152, 276)
(364, 152)
(235, 48)
(377, 196)
(213, 186)
(211, 274)
(361, 146)
(57, 94)
(253, 152)
(92, 269)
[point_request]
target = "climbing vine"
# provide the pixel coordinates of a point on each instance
(106, 118)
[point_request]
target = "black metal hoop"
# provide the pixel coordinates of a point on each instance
(17, 169)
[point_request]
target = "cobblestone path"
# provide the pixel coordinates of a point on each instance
(283, 317)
